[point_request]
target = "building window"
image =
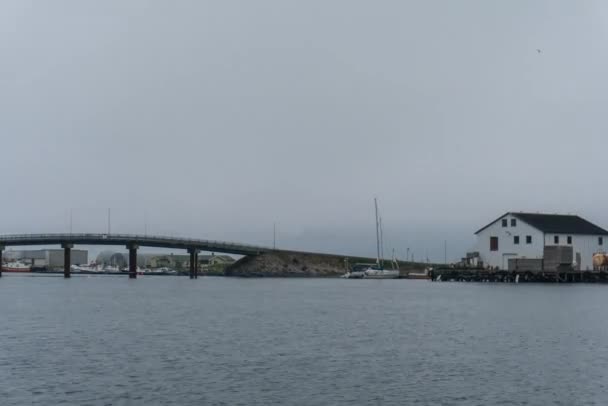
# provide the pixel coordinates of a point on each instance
(556, 239)
(513, 222)
(569, 239)
(528, 239)
(504, 222)
(600, 241)
(493, 243)
(516, 239)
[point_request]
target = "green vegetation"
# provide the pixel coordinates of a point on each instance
(216, 270)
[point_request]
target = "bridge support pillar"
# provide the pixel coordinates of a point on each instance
(1, 249)
(193, 263)
(132, 260)
(67, 259)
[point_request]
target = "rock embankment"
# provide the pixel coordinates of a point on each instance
(295, 264)
(287, 265)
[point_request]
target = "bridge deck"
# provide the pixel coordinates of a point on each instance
(127, 239)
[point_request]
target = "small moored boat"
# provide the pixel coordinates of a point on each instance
(376, 273)
(357, 271)
(16, 266)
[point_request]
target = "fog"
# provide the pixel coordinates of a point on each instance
(219, 119)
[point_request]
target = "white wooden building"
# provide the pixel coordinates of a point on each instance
(525, 236)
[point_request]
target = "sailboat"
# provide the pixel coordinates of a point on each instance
(357, 271)
(378, 271)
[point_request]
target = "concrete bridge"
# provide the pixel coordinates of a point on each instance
(132, 243)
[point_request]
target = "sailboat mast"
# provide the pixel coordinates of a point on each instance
(377, 233)
(381, 242)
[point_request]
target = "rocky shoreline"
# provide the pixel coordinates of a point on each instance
(295, 264)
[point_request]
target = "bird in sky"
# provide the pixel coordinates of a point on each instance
(538, 50)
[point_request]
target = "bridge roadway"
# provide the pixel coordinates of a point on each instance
(132, 242)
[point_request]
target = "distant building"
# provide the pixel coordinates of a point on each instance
(150, 260)
(215, 259)
(553, 239)
(112, 258)
(46, 258)
(179, 261)
(207, 262)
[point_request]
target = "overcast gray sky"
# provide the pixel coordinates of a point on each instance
(215, 119)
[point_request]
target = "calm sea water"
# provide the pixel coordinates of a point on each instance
(220, 341)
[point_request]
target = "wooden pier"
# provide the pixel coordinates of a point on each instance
(485, 275)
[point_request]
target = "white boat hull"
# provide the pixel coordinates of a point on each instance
(381, 274)
(354, 275)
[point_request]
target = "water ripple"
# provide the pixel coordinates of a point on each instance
(216, 341)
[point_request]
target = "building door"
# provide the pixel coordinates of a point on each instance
(505, 261)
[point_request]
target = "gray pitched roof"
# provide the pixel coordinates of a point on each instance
(555, 223)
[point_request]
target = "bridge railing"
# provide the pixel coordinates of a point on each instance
(124, 237)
